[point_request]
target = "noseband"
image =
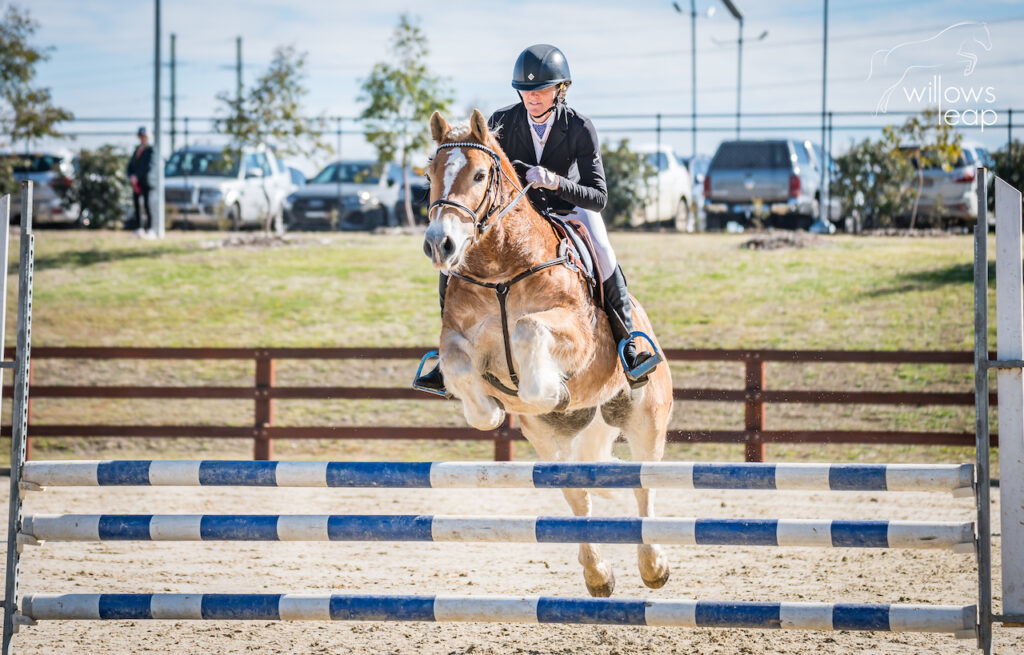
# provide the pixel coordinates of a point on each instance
(481, 224)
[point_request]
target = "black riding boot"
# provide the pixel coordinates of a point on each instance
(620, 316)
(433, 379)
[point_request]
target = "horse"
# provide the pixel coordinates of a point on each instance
(544, 352)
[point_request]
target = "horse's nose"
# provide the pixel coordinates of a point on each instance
(439, 247)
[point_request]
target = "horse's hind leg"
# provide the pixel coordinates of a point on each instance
(644, 426)
(597, 574)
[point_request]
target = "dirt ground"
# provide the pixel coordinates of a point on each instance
(768, 574)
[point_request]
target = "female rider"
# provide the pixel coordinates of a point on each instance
(568, 180)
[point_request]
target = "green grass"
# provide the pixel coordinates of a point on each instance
(701, 291)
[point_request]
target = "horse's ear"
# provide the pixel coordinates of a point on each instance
(439, 127)
(478, 126)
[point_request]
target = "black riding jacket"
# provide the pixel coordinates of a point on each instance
(572, 151)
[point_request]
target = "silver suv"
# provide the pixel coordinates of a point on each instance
(202, 186)
(775, 181)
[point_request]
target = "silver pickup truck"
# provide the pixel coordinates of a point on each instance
(775, 180)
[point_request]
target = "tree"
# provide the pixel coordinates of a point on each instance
(401, 96)
(100, 187)
(270, 112)
(26, 112)
(880, 180)
(1009, 164)
(627, 174)
(874, 181)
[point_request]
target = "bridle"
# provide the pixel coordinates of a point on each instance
(494, 188)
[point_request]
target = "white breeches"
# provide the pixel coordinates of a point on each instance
(595, 225)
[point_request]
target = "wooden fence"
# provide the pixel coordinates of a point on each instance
(263, 392)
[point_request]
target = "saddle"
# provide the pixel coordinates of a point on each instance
(578, 249)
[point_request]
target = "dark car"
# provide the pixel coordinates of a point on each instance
(345, 195)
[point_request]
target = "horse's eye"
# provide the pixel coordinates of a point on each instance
(480, 176)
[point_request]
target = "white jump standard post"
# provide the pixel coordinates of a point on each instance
(1010, 366)
(19, 414)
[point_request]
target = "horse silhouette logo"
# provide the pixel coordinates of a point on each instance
(957, 44)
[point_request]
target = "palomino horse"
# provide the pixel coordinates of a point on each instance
(570, 395)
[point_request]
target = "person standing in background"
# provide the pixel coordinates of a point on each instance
(138, 174)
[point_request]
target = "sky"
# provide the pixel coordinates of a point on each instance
(627, 58)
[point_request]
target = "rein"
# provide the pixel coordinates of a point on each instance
(501, 289)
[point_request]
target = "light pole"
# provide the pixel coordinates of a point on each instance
(824, 197)
(157, 219)
(693, 69)
(739, 57)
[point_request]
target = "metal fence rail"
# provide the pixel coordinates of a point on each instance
(264, 392)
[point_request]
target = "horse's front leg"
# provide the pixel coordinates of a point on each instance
(543, 346)
(481, 411)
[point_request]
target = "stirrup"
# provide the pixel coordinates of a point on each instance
(433, 354)
(639, 373)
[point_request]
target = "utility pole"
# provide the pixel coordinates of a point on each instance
(739, 74)
(158, 158)
(173, 96)
(238, 72)
(693, 82)
(823, 211)
(739, 57)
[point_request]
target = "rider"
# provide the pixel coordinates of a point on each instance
(567, 176)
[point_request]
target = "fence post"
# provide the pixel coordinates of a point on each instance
(754, 410)
(263, 446)
(28, 420)
(503, 440)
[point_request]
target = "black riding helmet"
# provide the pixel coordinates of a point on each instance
(539, 67)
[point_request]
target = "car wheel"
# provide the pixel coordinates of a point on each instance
(682, 219)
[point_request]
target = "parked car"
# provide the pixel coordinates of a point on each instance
(667, 193)
(698, 167)
(346, 195)
(50, 173)
(773, 181)
(419, 188)
(205, 187)
(951, 192)
(834, 213)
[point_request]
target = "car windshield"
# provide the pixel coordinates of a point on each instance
(742, 155)
(352, 173)
(211, 164)
(33, 163)
(658, 160)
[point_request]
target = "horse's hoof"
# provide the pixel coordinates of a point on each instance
(603, 590)
(659, 582)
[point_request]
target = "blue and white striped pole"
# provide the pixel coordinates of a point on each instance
(958, 479)
(958, 537)
(957, 620)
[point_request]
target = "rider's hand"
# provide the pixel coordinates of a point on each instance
(543, 178)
